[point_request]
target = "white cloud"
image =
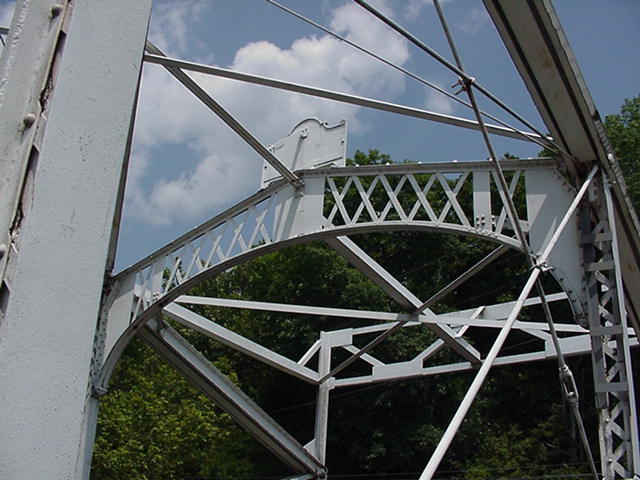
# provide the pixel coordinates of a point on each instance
(438, 102)
(169, 29)
(413, 8)
(226, 169)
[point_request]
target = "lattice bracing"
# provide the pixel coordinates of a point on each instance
(455, 197)
(610, 340)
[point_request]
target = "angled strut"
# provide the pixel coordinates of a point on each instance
(227, 118)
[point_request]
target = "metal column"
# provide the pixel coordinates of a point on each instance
(612, 371)
(57, 258)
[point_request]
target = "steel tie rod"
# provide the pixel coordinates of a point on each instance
(409, 73)
(455, 69)
(537, 266)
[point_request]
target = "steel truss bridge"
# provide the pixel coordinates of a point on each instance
(577, 225)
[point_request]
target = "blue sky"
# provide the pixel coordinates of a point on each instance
(187, 166)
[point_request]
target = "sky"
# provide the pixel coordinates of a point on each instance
(187, 166)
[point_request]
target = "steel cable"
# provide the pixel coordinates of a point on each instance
(407, 72)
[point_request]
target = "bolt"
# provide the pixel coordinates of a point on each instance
(29, 119)
(56, 10)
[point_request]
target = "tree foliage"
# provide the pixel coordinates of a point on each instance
(623, 130)
(153, 425)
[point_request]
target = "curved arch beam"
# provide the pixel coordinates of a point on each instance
(446, 198)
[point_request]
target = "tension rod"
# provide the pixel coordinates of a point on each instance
(543, 142)
(455, 69)
(569, 388)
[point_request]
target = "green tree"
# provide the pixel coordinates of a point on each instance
(623, 130)
(153, 425)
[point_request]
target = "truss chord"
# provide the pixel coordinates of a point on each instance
(229, 119)
(404, 71)
(455, 69)
(267, 197)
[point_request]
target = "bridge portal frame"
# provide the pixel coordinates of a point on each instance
(68, 75)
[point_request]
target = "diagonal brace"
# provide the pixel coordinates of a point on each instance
(208, 379)
(225, 336)
(229, 119)
(378, 275)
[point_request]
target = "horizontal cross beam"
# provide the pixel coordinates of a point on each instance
(340, 97)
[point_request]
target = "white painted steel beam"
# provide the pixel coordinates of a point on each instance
(493, 316)
(378, 275)
(340, 97)
(572, 346)
(532, 33)
(322, 398)
(217, 332)
(47, 417)
(202, 374)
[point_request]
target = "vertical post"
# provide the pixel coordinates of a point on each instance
(56, 268)
(612, 372)
(622, 344)
(322, 402)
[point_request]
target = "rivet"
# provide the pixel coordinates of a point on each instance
(56, 10)
(29, 119)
